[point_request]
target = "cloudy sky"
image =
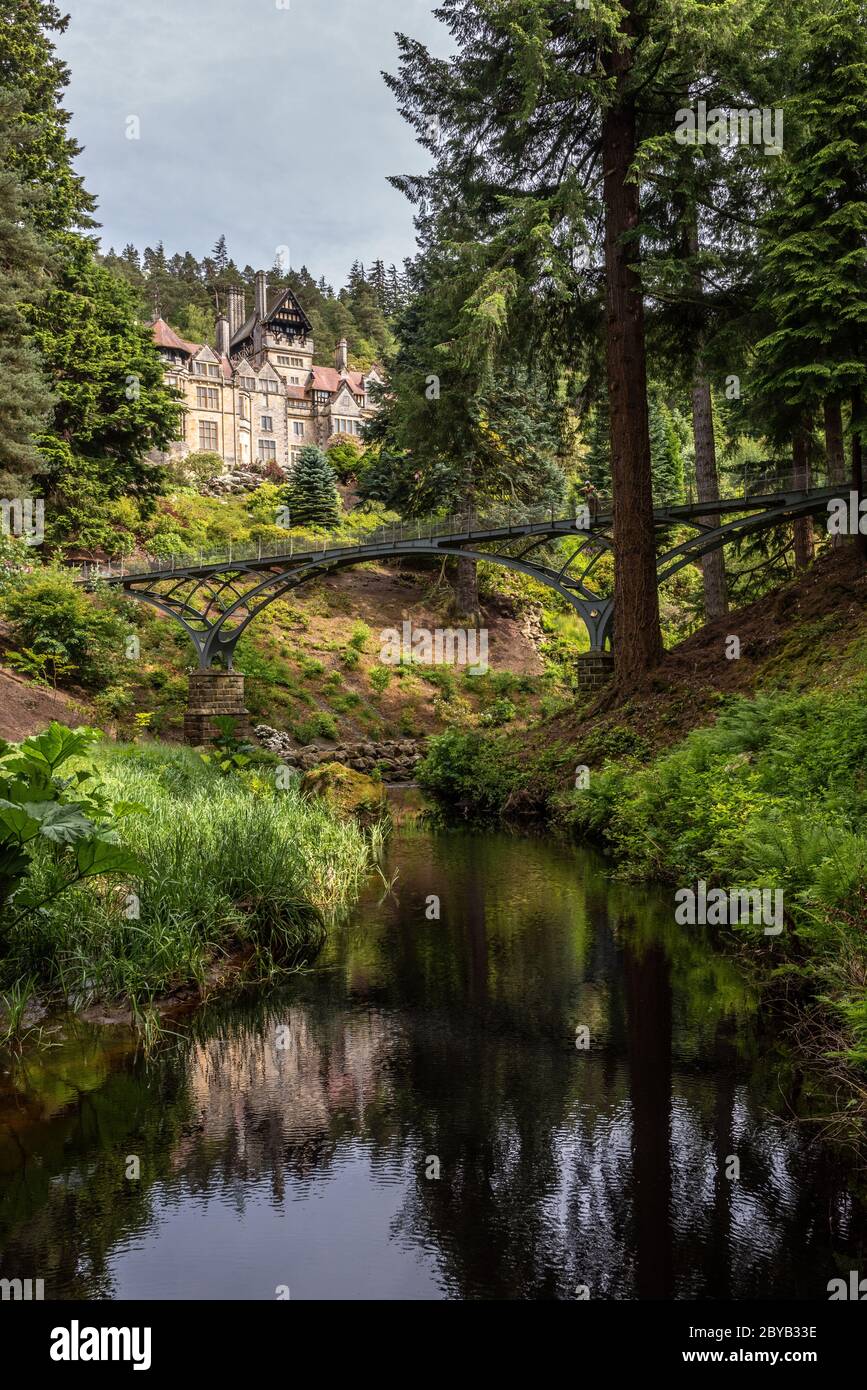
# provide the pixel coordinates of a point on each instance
(264, 119)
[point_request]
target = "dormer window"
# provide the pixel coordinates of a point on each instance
(201, 369)
(213, 369)
(248, 383)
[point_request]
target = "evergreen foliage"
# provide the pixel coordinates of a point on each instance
(311, 496)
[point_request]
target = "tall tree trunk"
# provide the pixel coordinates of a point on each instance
(713, 568)
(858, 464)
(706, 476)
(466, 587)
(804, 528)
(835, 457)
(637, 637)
(466, 574)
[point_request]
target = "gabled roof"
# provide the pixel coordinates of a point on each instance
(286, 299)
(166, 337)
(344, 390)
(330, 379)
(246, 331)
(278, 299)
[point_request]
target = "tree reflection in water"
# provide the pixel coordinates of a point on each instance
(308, 1117)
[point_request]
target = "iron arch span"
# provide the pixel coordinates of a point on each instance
(216, 599)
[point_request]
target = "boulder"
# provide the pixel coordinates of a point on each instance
(348, 792)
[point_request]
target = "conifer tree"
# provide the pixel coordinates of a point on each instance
(311, 496)
(813, 246)
(666, 454)
(25, 397)
(597, 462)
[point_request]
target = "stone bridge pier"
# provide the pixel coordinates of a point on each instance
(595, 671)
(213, 695)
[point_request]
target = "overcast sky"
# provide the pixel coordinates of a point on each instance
(264, 119)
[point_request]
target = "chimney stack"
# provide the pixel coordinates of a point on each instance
(237, 310)
(261, 294)
(223, 335)
(341, 360)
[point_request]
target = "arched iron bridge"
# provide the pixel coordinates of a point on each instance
(216, 597)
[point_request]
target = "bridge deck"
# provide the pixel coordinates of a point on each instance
(449, 533)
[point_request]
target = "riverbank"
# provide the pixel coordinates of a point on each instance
(743, 778)
(227, 875)
(544, 1085)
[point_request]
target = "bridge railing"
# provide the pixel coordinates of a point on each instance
(460, 525)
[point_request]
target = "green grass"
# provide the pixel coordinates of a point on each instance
(229, 863)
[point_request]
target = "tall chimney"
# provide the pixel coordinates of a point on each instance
(341, 359)
(237, 310)
(261, 294)
(223, 335)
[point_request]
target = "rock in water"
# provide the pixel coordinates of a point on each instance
(347, 792)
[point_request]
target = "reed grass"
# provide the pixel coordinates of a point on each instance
(231, 866)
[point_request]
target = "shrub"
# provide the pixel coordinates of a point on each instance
(500, 712)
(380, 678)
(49, 613)
(465, 770)
(321, 725)
(344, 458)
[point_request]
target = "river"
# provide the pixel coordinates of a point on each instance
(507, 1076)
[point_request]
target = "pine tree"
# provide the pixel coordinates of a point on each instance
(112, 405)
(665, 453)
(542, 108)
(597, 462)
(813, 246)
(220, 255)
(31, 68)
(25, 398)
(312, 496)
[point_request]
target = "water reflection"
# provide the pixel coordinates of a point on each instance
(290, 1140)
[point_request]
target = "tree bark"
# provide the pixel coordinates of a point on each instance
(706, 476)
(858, 465)
(713, 569)
(835, 457)
(466, 587)
(834, 454)
(804, 549)
(638, 640)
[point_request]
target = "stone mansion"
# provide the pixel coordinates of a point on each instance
(256, 396)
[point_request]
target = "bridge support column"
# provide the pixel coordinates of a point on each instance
(214, 695)
(595, 670)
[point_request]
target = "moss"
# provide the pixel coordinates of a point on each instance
(347, 792)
